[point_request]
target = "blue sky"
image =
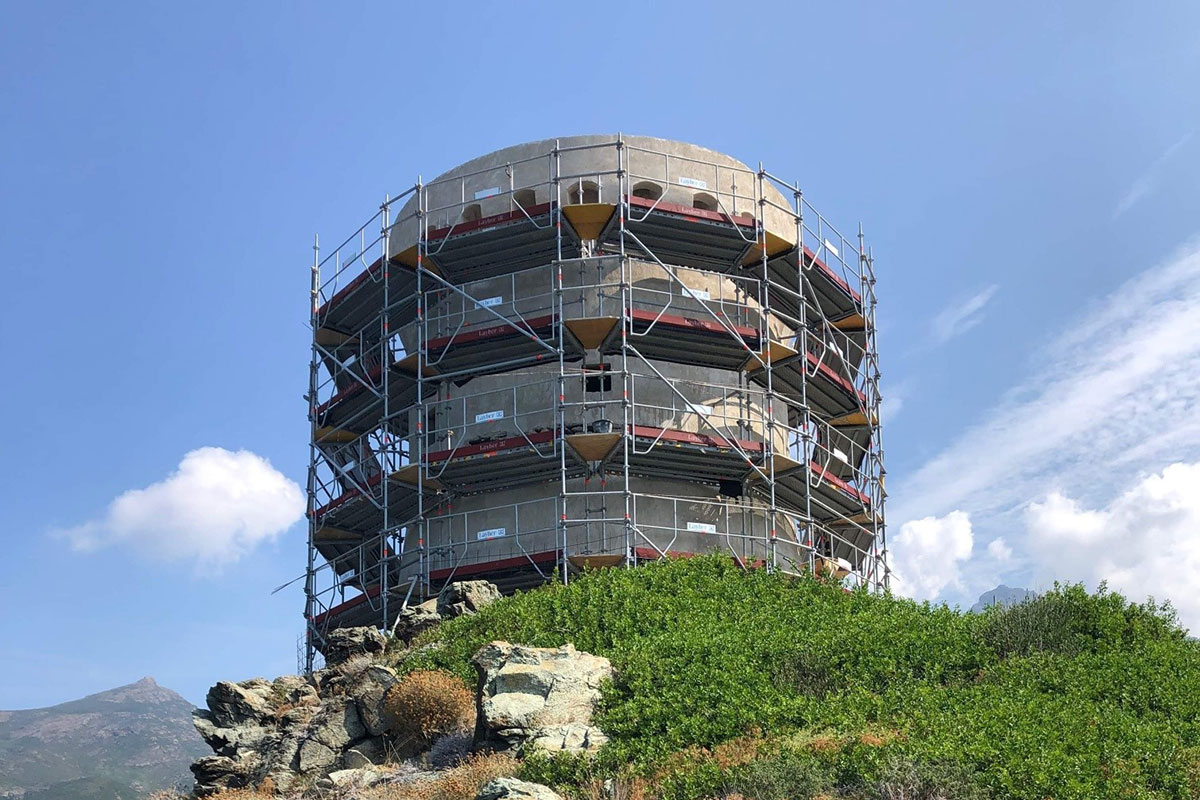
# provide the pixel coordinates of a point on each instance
(1028, 174)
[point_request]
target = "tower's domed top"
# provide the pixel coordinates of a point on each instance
(587, 169)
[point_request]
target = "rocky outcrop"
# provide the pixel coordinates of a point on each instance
(414, 620)
(541, 697)
(457, 599)
(513, 789)
(332, 731)
(345, 643)
(466, 597)
(283, 730)
(368, 692)
(218, 773)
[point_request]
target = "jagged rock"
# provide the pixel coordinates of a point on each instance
(513, 789)
(368, 752)
(344, 643)
(316, 757)
(332, 730)
(213, 734)
(541, 696)
(283, 764)
(216, 773)
(279, 730)
(412, 620)
(235, 704)
(466, 597)
(299, 716)
(460, 597)
(337, 726)
(292, 690)
(573, 737)
(368, 694)
(236, 736)
(356, 778)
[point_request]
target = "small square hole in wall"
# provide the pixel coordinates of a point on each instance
(601, 381)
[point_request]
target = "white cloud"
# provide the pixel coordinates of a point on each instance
(926, 554)
(214, 508)
(1144, 543)
(961, 315)
(1145, 182)
(896, 393)
(1111, 396)
(998, 549)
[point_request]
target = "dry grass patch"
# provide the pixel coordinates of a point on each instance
(428, 704)
(256, 793)
(459, 783)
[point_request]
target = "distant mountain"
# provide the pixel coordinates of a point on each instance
(115, 745)
(1003, 596)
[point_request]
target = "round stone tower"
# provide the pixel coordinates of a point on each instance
(589, 352)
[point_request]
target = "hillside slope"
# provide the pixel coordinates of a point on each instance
(118, 743)
(744, 682)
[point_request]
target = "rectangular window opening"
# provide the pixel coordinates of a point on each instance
(597, 383)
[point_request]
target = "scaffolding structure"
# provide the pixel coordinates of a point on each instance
(642, 349)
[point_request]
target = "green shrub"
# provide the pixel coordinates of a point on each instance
(1073, 695)
(789, 775)
(1069, 620)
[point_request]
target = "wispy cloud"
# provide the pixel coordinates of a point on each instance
(1113, 397)
(895, 394)
(1146, 182)
(961, 315)
(1109, 386)
(214, 508)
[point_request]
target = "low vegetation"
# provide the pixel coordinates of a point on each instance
(733, 683)
(427, 705)
(461, 782)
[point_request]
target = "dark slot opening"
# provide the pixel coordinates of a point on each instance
(730, 488)
(597, 383)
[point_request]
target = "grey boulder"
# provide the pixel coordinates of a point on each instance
(544, 697)
(513, 789)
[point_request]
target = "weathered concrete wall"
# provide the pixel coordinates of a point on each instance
(679, 169)
(692, 399)
(667, 516)
(592, 289)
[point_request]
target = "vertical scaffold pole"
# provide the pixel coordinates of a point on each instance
(313, 367)
(878, 519)
(560, 439)
(385, 360)
(422, 246)
(626, 317)
(769, 450)
(807, 445)
(870, 411)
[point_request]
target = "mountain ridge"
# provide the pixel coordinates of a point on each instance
(118, 743)
(1004, 596)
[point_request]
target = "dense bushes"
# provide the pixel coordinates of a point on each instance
(1073, 695)
(1071, 621)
